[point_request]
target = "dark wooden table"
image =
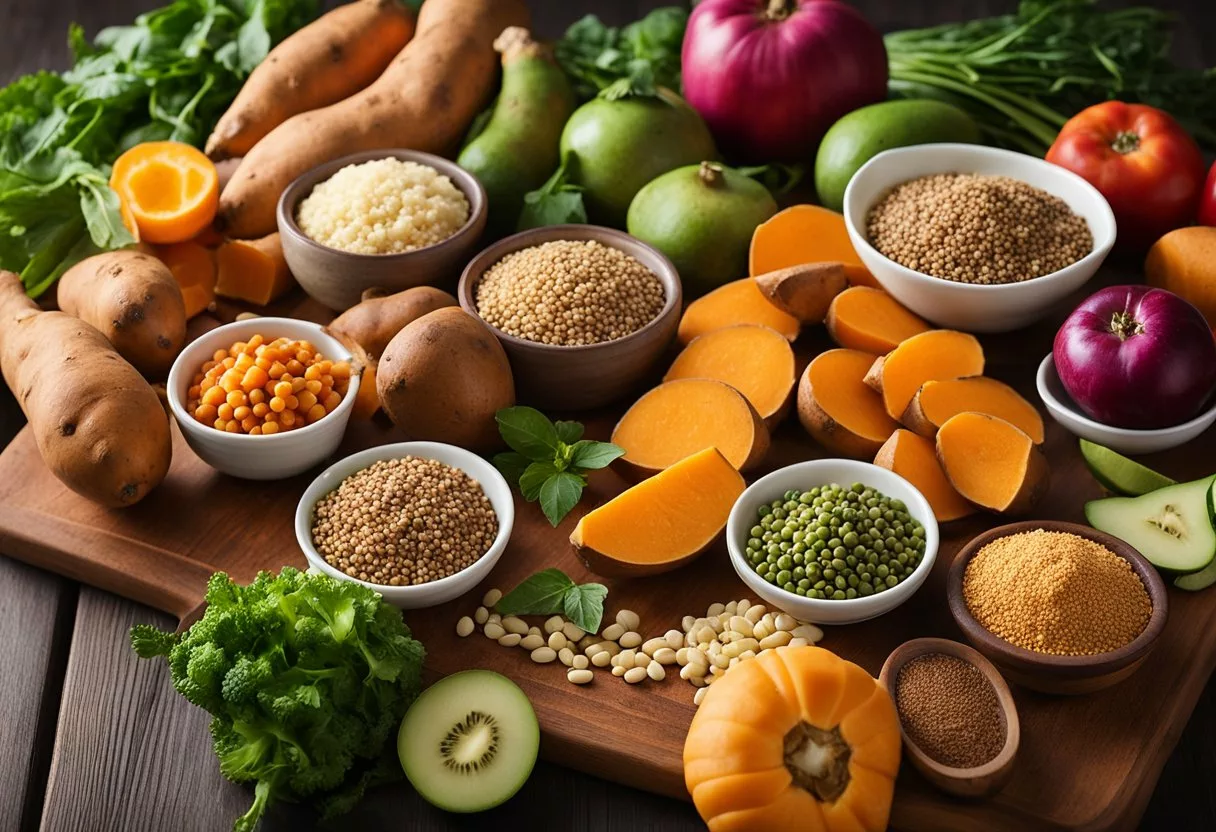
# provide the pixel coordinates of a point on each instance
(93, 739)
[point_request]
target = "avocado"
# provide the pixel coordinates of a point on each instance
(862, 134)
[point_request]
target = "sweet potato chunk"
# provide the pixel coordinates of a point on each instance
(936, 401)
(680, 418)
(738, 302)
(914, 458)
(806, 234)
(755, 360)
(253, 270)
(663, 522)
(931, 356)
(868, 319)
(804, 291)
(838, 409)
(992, 463)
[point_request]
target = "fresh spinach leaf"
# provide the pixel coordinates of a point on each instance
(541, 594)
(584, 605)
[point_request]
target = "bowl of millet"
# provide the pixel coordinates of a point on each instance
(976, 238)
(419, 522)
(583, 312)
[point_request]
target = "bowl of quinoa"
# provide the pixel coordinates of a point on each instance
(583, 312)
(976, 238)
(383, 219)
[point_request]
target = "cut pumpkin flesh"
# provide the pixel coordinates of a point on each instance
(663, 522)
(837, 408)
(914, 458)
(937, 401)
(680, 418)
(805, 234)
(992, 463)
(931, 356)
(755, 360)
(868, 319)
(737, 302)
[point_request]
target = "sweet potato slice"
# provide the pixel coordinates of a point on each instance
(914, 458)
(755, 360)
(662, 523)
(193, 267)
(868, 319)
(806, 234)
(252, 270)
(936, 401)
(738, 302)
(992, 463)
(837, 408)
(931, 356)
(680, 418)
(804, 291)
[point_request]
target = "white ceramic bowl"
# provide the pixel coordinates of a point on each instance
(965, 306)
(804, 475)
(1125, 440)
(271, 457)
(436, 592)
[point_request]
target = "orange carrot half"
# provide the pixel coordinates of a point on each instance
(169, 188)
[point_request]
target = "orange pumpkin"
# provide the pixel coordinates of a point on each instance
(796, 739)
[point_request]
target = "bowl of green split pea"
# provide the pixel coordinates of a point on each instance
(832, 541)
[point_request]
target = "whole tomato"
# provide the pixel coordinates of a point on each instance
(1207, 203)
(1149, 169)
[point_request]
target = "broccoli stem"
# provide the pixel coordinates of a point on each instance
(248, 822)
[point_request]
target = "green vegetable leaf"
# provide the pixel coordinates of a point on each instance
(569, 432)
(589, 454)
(643, 55)
(528, 431)
(534, 477)
(777, 177)
(511, 465)
(559, 494)
(556, 202)
(542, 594)
(584, 605)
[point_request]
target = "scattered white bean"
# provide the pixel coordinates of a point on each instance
(625, 657)
(611, 646)
(655, 671)
(665, 655)
(687, 622)
(535, 631)
(718, 670)
(554, 624)
(566, 656)
(491, 597)
(777, 639)
(731, 607)
(682, 655)
(515, 624)
(785, 622)
(630, 639)
(698, 657)
(572, 632)
(674, 639)
(531, 642)
(698, 696)
(652, 644)
(642, 660)
(510, 640)
(692, 671)
(464, 626)
(494, 630)
(720, 661)
(618, 670)
(745, 655)
(807, 631)
(579, 677)
(557, 640)
(601, 659)
(755, 613)
(580, 662)
(742, 606)
(706, 634)
(628, 619)
(797, 642)
(733, 662)
(494, 618)
(482, 615)
(714, 610)
(583, 642)
(635, 674)
(761, 630)
(612, 632)
(543, 655)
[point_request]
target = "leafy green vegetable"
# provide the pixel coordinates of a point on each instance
(169, 76)
(556, 202)
(306, 679)
(549, 461)
(1023, 75)
(551, 592)
(632, 60)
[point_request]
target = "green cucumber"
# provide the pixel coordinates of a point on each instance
(1172, 526)
(1121, 475)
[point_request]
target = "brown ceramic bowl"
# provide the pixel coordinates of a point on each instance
(964, 782)
(1059, 674)
(338, 278)
(581, 378)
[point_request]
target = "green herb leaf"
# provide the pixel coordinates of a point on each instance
(559, 494)
(646, 53)
(542, 594)
(590, 455)
(569, 432)
(534, 477)
(528, 431)
(556, 202)
(511, 465)
(777, 177)
(584, 605)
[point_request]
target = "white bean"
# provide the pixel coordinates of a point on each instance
(692, 671)
(581, 643)
(731, 607)
(515, 624)
(761, 630)
(665, 655)
(687, 622)
(628, 619)
(699, 681)
(785, 622)
(652, 644)
(719, 623)
(580, 662)
(655, 671)
(572, 632)
(464, 626)
(697, 657)
(543, 655)
(557, 640)
(715, 610)
(491, 598)
(510, 639)
(612, 632)
(635, 674)
(566, 656)
(755, 613)
(717, 670)
(625, 657)
(592, 649)
(745, 655)
(733, 662)
(579, 677)
(494, 630)
(674, 639)
(554, 624)
(742, 606)
(534, 631)
(642, 660)
(807, 631)
(698, 696)
(482, 615)
(611, 646)
(682, 656)
(777, 639)
(494, 618)
(797, 642)
(531, 642)
(769, 620)
(720, 661)
(630, 639)
(706, 634)
(602, 659)
(619, 670)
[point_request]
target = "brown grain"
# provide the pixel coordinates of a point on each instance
(950, 710)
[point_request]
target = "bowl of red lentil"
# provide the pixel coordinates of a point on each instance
(976, 238)
(583, 312)
(421, 523)
(1058, 607)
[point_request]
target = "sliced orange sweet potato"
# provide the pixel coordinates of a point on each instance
(253, 270)
(931, 356)
(682, 417)
(804, 291)
(755, 360)
(663, 522)
(936, 401)
(837, 408)
(865, 318)
(992, 463)
(806, 234)
(914, 458)
(193, 267)
(737, 302)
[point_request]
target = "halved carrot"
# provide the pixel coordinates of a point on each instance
(170, 188)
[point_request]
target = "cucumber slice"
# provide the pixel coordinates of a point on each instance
(1121, 475)
(1171, 527)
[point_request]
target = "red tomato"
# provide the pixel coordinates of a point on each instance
(1207, 205)
(1149, 169)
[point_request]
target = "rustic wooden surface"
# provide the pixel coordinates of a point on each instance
(127, 754)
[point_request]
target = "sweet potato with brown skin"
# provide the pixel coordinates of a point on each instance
(804, 291)
(377, 319)
(425, 100)
(134, 300)
(328, 60)
(98, 424)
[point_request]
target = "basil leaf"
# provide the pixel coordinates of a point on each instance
(584, 605)
(569, 432)
(534, 477)
(556, 202)
(542, 594)
(559, 494)
(589, 454)
(528, 431)
(511, 465)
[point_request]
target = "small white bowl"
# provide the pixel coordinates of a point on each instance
(1125, 440)
(435, 592)
(966, 306)
(278, 455)
(805, 475)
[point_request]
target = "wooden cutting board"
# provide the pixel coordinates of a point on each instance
(1086, 763)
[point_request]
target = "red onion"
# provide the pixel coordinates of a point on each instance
(1137, 357)
(771, 76)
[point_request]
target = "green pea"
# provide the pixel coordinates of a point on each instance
(838, 595)
(783, 576)
(785, 562)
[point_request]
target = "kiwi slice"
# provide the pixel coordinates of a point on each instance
(469, 742)
(1171, 527)
(1121, 475)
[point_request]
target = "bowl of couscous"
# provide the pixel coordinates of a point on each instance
(382, 219)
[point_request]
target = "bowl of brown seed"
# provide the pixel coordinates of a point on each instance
(419, 522)
(976, 238)
(583, 312)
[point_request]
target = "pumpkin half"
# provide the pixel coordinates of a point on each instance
(796, 739)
